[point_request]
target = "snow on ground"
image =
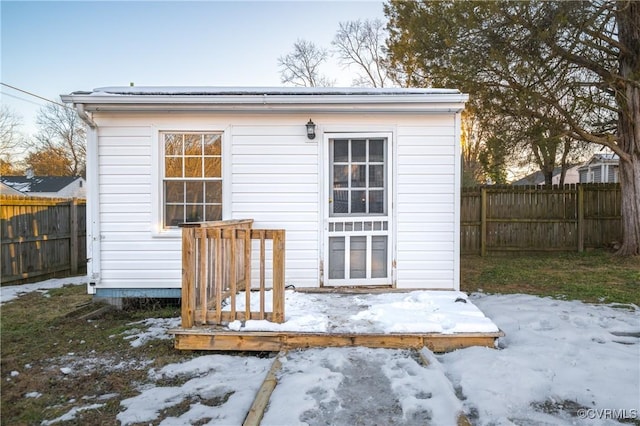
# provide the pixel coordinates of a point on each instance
(444, 312)
(560, 363)
(219, 387)
(8, 293)
(559, 356)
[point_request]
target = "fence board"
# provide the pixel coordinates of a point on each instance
(41, 237)
(523, 218)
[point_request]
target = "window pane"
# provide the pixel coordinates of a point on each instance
(376, 201)
(193, 167)
(341, 201)
(376, 150)
(195, 193)
(174, 215)
(212, 144)
(173, 167)
(192, 144)
(341, 151)
(358, 176)
(213, 192)
(379, 257)
(340, 176)
(376, 176)
(174, 192)
(172, 144)
(358, 256)
(213, 212)
(336, 258)
(358, 202)
(212, 167)
(194, 213)
(359, 150)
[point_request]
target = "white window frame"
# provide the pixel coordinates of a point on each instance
(157, 174)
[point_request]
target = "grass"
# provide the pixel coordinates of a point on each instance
(42, 333)
(595, 276)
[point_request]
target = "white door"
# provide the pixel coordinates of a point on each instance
(358, 214)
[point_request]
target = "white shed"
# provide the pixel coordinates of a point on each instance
(366, 182)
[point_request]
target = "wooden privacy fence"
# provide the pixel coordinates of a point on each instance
(217, 264)
(524, 218)
(41, 237)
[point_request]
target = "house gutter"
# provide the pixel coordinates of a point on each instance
(85, 116)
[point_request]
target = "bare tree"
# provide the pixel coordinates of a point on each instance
(302, 66)
(10, 136)
(61, 130)
(361, 43)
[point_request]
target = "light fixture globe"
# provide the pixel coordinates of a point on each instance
(311, 129)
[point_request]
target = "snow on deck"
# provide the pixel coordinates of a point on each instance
(446, 312)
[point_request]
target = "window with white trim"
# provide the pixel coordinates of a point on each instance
(191, 177)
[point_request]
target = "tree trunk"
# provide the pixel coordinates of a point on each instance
(628, 99)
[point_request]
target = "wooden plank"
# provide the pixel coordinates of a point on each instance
(580, 219)
(278, 275)
(232, 273)
(217, 281)
(483, 221)
(261, 236)
(203, 278)
(247, 272)
(188, 278)
(256, 412)
(205, 339)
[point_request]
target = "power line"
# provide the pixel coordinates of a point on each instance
(34, 95)
(21, 98)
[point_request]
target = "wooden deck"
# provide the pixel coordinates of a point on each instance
(217, 274)
(217, 339)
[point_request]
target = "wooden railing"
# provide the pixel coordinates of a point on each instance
(217, 264)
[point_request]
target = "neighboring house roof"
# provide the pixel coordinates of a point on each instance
(36, 184)
(601, 159)
(7, 190)
(537, 178)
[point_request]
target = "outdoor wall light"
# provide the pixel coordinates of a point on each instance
(311, 129)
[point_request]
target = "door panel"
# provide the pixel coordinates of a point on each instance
(358, 215)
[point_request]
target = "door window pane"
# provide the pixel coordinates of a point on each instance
(358, 257)
(358, 176)
(340, 176)
(358, 202)
(341, 150)
(359, 150)
(378, 256)
(376, 176)
(341, 201)
(376, 202)
(376, 150)
(336, 258)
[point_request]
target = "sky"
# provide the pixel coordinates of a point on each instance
(51, 48)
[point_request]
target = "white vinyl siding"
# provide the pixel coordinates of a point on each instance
(272, 174)
(425, 212)
(275, 181)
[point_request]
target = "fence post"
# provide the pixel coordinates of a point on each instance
(580, 217)
(483, 221)
(73, 236)
(188, 277)
(278, 276)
